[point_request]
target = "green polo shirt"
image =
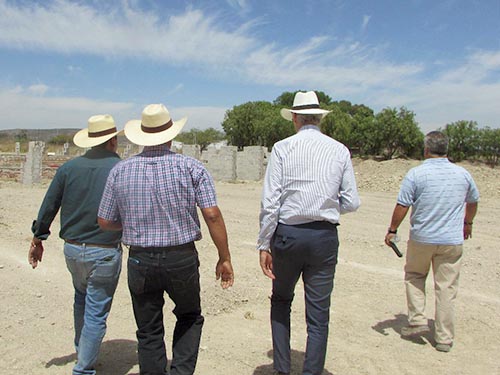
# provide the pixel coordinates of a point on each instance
(77, 189)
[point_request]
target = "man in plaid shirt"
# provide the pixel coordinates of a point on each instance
(153, 197)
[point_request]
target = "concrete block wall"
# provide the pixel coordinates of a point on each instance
(221, 163)
(224, 163)
(190, 150)
(250, 163)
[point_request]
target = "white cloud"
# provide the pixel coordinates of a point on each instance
(345, 69)
(20, 107)
(239, 4)
(200, 117)
(177, 88)
(68, 27)
(469, 91)
(38, 89)
(26, 110)
(364, 23)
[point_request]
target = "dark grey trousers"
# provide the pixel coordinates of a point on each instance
(309, 250)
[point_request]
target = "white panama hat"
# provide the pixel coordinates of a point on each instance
(155, 127)
(100, 129)
(306, 103)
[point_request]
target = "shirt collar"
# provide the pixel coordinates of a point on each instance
(99, 152)
(437, 160)
(156, 150)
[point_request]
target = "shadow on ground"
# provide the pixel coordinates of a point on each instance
(297, 359)
(116, 357)
(401, 320)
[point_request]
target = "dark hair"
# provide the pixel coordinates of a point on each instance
(436, 143)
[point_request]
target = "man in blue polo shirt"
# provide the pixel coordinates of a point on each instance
(444, 199)
(93, 256)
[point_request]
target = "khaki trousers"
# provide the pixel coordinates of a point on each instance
(445, 260)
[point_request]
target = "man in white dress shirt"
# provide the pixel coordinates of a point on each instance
(309, 183)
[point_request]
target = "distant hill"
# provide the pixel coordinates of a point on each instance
(37, 134)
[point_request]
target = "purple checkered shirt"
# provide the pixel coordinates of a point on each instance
(154, 195)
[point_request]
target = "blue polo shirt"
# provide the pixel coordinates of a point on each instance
(437, 191)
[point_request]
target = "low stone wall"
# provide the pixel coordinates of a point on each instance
(225, 163)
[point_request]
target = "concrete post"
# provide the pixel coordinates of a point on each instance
(32, 168)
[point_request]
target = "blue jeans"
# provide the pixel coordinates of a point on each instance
(151, 273)
(95, 272)
(309, 250)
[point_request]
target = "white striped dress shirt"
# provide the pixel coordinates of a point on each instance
(309, 178)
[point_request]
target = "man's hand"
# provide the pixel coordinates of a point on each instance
(266, 263)
(224, 271)
(35, 252)
(467, 231)
(388, 238)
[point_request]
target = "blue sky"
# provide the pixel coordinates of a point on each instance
(63, 61)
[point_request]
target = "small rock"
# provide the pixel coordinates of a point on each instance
(249, 315)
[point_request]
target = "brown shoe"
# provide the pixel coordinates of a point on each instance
(414, 330)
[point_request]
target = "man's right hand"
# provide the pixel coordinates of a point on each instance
(224, 272)
(35, 252)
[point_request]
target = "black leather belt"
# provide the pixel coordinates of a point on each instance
(189, 245)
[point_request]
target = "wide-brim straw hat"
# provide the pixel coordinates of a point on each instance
(100, 129)
(155, 127)
(306, 103)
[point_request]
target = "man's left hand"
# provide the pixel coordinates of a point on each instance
(467, 231)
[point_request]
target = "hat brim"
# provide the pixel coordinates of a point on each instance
(287, 113)
(82, 139)
(136, 135)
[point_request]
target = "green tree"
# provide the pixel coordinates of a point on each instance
(201, 137)
(255, 124)
(463, 137)
(489, 145)
(339, 125)
(271, 127)
(61, 139)
(239, 124)
(352, 125)
(398, 133)
(21, 136)
(365, 137)
(285, 100)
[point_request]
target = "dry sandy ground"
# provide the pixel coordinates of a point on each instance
(368, 305)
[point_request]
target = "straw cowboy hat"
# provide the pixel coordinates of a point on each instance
(100, 129)
(305, 103)
(155, 127)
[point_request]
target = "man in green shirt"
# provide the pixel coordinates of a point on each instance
(93, 256)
